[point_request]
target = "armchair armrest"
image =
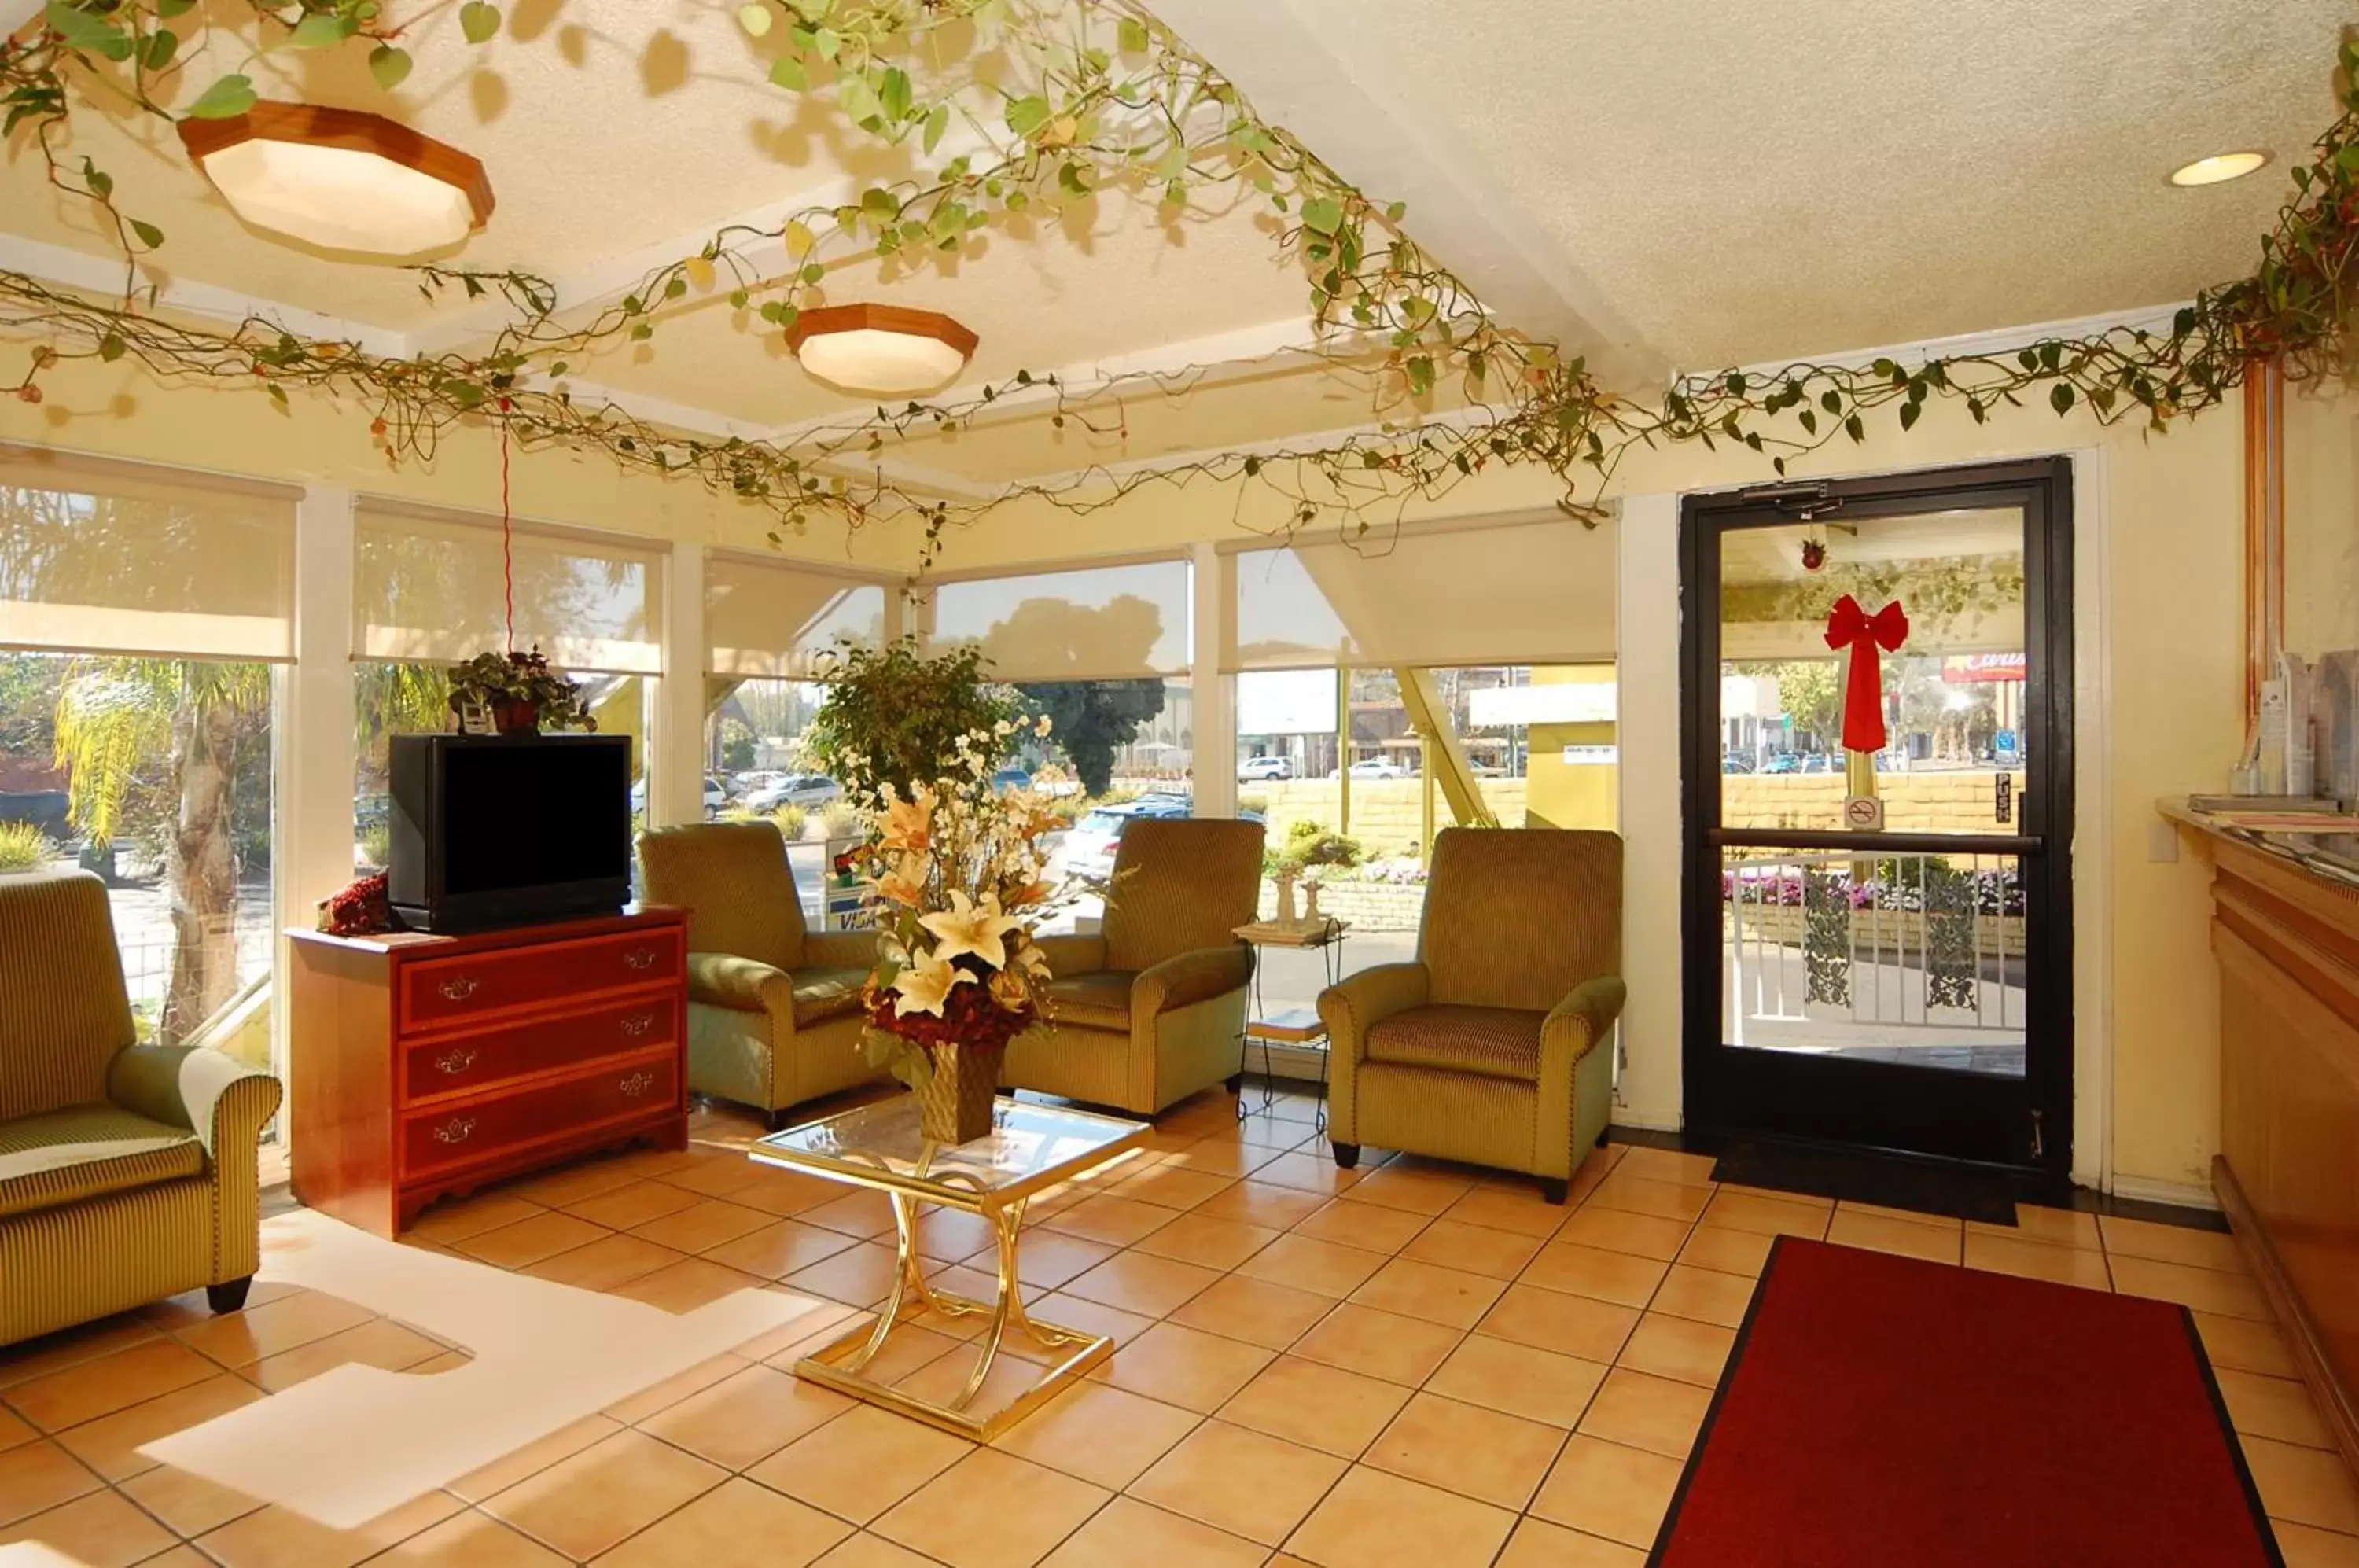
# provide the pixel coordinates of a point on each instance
(725, 980)
(1193, 976)
(223, 1101)
(840, 950)
(1070, 955)
(1584, 1018)
(1365, 999)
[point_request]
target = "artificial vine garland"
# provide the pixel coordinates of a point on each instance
(1100, 96)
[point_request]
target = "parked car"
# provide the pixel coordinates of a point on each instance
(1261, 769)
(1374, 767)
(1783, 762)
(1088, 851)
(715, 797)
(804, 790)
(1736, 762)
(745, 784)
(1008, 778)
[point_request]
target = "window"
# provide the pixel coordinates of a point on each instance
(141, 611)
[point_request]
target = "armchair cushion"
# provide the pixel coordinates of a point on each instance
(86, 1151)
(1190, 978)
(1491, 1042)
(809, 997)
(1098, 1000)
(824, 993)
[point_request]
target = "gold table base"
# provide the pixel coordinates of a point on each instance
(841, 1363)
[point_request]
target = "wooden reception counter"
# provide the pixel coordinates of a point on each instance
(2285, 935)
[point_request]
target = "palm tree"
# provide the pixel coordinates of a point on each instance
(114, 718)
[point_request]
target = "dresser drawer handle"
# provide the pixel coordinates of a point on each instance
(632, 1027)
(458, 1130)
(450, 1063)
(459, 987)
(637, 1084)
(640, 958)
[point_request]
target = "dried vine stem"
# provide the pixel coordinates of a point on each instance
(1101, 97)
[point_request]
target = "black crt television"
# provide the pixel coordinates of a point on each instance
(492, 830)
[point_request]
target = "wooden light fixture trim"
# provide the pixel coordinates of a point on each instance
(832, 318)
(352, 129)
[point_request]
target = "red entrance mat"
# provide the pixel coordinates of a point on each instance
(1885, 1412)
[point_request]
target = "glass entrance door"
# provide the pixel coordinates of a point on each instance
(1879, 790)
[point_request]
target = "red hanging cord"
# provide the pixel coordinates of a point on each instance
(507, 535)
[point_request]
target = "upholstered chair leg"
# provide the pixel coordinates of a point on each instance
(1346, 1156)
(230, 1297)
(1554, 1189)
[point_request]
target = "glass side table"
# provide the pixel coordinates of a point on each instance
(1299, 1027)
(1031, 1148)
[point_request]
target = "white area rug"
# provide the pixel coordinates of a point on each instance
(356, 1442)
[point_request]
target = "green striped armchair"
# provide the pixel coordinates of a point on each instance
(1153, 1008)
(128, 1173)
(1486, 1048)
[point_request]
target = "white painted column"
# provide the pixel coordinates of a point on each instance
(316, 756)
(1214, 753)
(676, 758)
(1648, 731)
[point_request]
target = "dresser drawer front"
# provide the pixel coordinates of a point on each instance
(468, 1132)
(446, 1064)
(439, 992)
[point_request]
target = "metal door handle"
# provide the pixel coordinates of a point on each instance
(456, 1131)
(640, 958)
(637, 1084)
(453, 1063)
(459, 987)
(634, 1028)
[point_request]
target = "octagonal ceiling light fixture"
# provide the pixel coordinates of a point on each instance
(886, 350)
(341, 179)
(2219, 169)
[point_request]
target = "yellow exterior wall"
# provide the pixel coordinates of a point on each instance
(1560, 794)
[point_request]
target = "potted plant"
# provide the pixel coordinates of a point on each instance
(515, 693)
(893, 716)
(957, 885)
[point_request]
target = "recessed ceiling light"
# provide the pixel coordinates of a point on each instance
(341, 179)
(880, 348)
(2219, 169)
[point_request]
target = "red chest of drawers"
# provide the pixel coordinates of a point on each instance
(422, 1065)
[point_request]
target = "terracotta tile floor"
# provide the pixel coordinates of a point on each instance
(1406, 1363)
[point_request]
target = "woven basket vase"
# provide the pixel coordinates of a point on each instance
(956, 1103)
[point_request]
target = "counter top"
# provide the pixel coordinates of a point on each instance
(2333, 856)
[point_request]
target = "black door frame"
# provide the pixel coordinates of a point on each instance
(2021, 1124)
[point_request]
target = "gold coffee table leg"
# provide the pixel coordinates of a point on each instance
(842, 1364)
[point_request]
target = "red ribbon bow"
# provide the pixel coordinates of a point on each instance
(1850, 626)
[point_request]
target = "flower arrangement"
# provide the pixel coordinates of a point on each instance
(957, 882)
(516, 692)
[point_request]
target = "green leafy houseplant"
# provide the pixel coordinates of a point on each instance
(521, 692)
(895, 716)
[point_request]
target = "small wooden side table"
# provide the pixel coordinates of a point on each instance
(1294, 1025)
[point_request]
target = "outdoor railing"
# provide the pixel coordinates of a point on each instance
(1912, 940)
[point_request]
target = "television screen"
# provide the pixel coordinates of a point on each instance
(535, 815)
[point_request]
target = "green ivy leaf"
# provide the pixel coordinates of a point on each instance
(319, 30)
(149, 235)
(162, 45)
(389, 65)
(231, 96)
(86, 33)
(2059, 396)
(787, 71)
(756, 19)
(110, 348)
(101, 182)
(1131, 35)
(936, 121)
(895, 93)
(1322, 216)
(859, 100)
(479, 20)
(1027, 114)
(169, 8)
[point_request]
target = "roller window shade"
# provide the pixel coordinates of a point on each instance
(99, 557)
(1104, 623)
(769, 621)
(1541, 592)
(431, 588)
